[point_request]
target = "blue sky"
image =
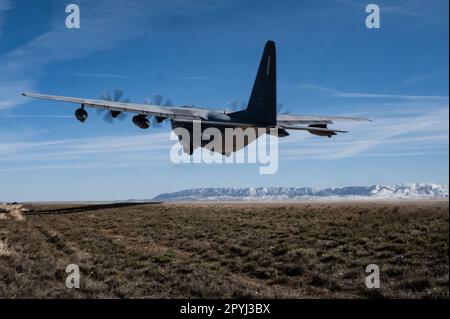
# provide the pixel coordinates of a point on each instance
(206, 53)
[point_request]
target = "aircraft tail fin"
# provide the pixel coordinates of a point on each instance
(262, 104)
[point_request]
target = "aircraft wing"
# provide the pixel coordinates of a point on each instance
(286, 119)
(144, 109)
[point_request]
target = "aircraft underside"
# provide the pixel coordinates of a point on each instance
(221, 139)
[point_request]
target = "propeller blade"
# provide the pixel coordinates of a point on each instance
(281, 109)
(108, 118)
(117, 95)
(158, 99)
(233, 105)
(105, 95)
(155, 123)
(122, 116)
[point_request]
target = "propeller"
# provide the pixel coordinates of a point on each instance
(235, 105)
(157, 99)
(116, 96)
(281, 109)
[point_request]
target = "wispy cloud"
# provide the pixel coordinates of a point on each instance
(422, 131)
(21, 67)
(86, 145)
(128, 150)
(100, 75)
(409, 8)
(33, 116)
(193, 78)
(5, 5)
(349, 94)
(421, 77)
(97, 165)
(105, 24)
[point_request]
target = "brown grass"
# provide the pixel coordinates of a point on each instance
(12, 211)
(297, 250)
(5, 250)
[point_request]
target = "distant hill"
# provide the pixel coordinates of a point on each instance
(405, 191)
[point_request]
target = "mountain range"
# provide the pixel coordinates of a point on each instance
(404, 191)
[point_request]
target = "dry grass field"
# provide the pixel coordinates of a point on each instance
(214, 250)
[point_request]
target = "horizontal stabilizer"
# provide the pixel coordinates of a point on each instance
(310, 119)
(310, 129)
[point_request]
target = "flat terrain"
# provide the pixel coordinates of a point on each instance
(237, 250)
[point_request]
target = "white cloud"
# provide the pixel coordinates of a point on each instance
(5, 5)
(419, 131)
(349, 94)
(107, 151)
(20, 68)
(418, 9)
(193, 78)
(33, 116)
(416, 129)
(421, 77)
(100, 75)
(104, 25)
(105, 144)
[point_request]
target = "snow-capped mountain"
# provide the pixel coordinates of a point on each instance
(405, 191)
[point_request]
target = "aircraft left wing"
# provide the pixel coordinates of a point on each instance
(144, 109)
(286, 119)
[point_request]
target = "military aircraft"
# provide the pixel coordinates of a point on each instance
(261, 111)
